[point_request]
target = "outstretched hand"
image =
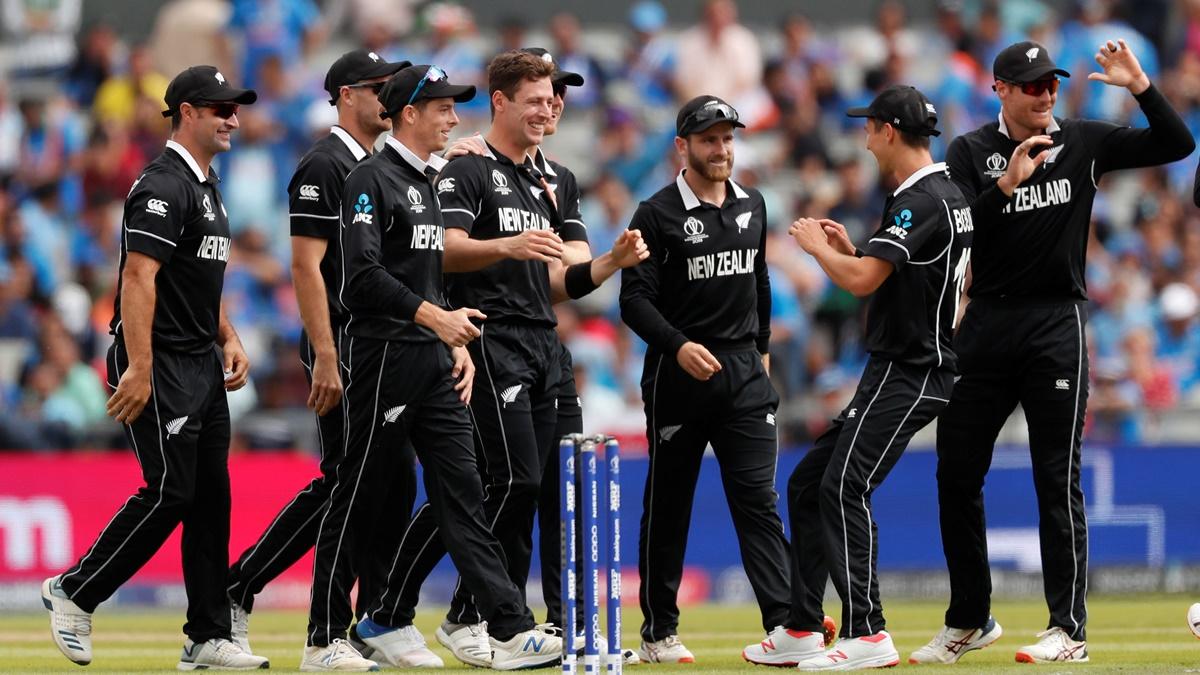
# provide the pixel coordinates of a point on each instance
(1121, 67)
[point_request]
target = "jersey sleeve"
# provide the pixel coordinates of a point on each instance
(639, 289)
(958, 161)
(909, 224)
(155, 213)
(314, 199)
(460, 191)
(367, 285)
(573, 227)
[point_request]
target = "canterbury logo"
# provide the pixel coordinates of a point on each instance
(667, 433)
(310, 193)
(771, 419)
(156, 206)
(445, 185)
(392, 414)
(509, 395)
(175, 425)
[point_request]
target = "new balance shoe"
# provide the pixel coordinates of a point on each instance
(950, 644)
(1053, 646)
(869, 651)
(785, 647)
(1194, 619)
(338, 655)
(629, 657)
(666, 650)
(240, 626)
(70, 626)
(468, 642)
(219, 654)
(401, 647)
(539, 647)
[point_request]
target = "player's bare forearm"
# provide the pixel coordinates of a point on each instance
(138, 297)
(225, 332)
(860, 276)
(311, 294)
(575, 252)
(464, 254)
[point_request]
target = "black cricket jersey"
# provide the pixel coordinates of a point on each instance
(706, 277)
(174, 214)
(1033, 246)
(926, 235)
(392, 240)
(566, 193)
(491, 197)
(315, 202)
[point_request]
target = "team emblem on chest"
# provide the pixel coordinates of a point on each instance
(414, 200)
(501, 182)
(694, 229)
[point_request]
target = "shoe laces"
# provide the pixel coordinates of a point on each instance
(224, 651)
(411, 634)
(341, 650)
(1054, 634)
(79, 624)
(670, 642)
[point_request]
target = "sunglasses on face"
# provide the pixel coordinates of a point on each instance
(1037, 87)
(223, 110)
(375, 87)
(719, 111)
(434, 74)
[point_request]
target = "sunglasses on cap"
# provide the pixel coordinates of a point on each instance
(224, 110)
(434, 74)
(1037, 87)
(375, 87)
(707, 113)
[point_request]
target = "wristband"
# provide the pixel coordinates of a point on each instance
(578, 280)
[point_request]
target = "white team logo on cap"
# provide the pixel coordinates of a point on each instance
(374, 56)
(220, 77)
(930, 109)
(547, 57)
(1031, 54)
(501, 182)
(414, 200)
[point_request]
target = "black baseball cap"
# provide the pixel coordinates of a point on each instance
(203, 84)
(414, 83)
(1024, 62)
(354, 67)
(903, 107)
(703, 112)
(560, 76)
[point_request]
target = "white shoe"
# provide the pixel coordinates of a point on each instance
(628, 656)
(869, 651)
(70, 626)
(1194, 619)
(539, 647)
(468, 642)
(401, 647)
(666, 650)
(950, 644)
(1053, 645)
(339, 655)
(367, 651)
(218, 654)
(785, 647)
(240, 631)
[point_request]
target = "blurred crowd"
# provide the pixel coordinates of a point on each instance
(79, 118)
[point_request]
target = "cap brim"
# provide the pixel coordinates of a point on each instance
(1039, 72)
(568, 78)
(384, 69)
(858, 112)
(461, 93)
(705, 125)
(226, 95)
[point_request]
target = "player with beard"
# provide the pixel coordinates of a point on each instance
(702, 303)
(315, 198)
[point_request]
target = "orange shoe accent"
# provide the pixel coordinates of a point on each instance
(830, 627)
(686, 659)
(1022, 657)
(878, 637)
(797, 633)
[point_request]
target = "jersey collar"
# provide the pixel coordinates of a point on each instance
(411, 158)
(490, 153)
(541, 161)
(691, 201)
(188, 159)
(352, 145)
(929, 170)
(1050, 128)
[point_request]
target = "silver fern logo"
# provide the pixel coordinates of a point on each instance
(392, 414)
(509, 395)
(668, 432)
(176, 425)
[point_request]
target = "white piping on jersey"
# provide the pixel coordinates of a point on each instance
(889, 241)
(310, 215)
(188, 159)
(1050, 128)
(352, 145)
(652, 423)
(150, 234)
(577, 222)
(466, 211)
(1070, 473)
(691, 201)
(1093, 173)
(927, 170)
(937, 317)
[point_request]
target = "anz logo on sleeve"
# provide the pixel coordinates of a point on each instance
(902, 221)
(362, 210)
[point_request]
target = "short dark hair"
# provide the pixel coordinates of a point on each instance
(509, 69)
(915, 141)
(176, 119)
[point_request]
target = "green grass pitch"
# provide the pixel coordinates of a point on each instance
(1126, 635)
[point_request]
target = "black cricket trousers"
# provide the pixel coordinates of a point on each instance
(1034, 354)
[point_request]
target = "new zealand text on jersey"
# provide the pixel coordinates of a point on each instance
(518, 220)
(213, 247)
(722, 264)
(1028, 198)
(427, 238)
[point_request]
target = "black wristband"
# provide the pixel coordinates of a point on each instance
(578, 280)
(858, 252)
